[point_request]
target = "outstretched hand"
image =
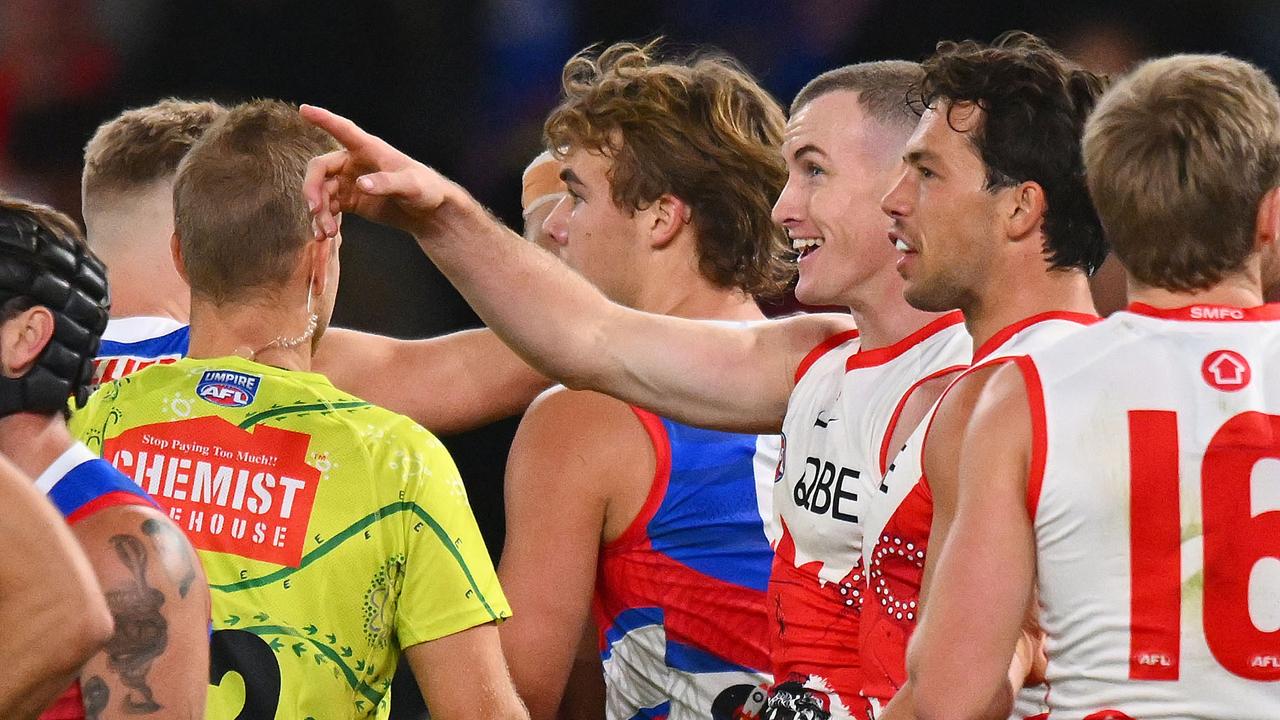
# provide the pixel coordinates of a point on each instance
(370, 178)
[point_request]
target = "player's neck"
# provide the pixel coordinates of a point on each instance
(884, 317)
(130, 232)
(133, 297)
(1006, 303)
(266, 332)
(32, 441)
(1233, 291)
(698, 299)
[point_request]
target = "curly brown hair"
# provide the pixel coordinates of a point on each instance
(698, 128)
(1035, 102)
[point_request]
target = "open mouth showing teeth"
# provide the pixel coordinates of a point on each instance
(806, 246)
(900, 244)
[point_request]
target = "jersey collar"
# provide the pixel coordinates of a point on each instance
(882, 355)
(74, 457)
(1002, 336)
(1213, 313)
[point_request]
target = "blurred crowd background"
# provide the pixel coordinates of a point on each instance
(464, 85)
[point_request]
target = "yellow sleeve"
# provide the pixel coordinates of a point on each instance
(449, 584)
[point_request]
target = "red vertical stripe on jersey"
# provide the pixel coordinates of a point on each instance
(1155, 599)
(657, 432)
(1039, 432)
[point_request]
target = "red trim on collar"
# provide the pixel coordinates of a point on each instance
(1212, 313)
(882, 355)
(1000, 338)
(823, 348)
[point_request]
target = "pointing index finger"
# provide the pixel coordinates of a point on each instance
(342, 129)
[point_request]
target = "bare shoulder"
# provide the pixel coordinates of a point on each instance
(582, 417)
(992, 396)
(799, 336)
(585, 443)
(961, 397)
(140, 547)
(809, 329)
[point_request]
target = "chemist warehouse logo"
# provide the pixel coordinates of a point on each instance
(227, 388)
(232, 490)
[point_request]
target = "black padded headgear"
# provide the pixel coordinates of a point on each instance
(45, 266)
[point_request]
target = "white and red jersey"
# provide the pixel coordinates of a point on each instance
(899, 517)
(1155, 493)
(839, 418)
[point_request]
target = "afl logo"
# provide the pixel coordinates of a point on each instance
(1226, 370)
(227, 388)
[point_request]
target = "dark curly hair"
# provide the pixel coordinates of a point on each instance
(1035, 102)
(700, 129)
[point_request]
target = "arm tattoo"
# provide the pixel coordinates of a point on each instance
(167, 538)
(95, 693)
(142, 633)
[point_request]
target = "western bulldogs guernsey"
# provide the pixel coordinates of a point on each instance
(680, 595)
(899, 518)
(80, 484)
(1156, 504)
(840, 416)
(131, 344)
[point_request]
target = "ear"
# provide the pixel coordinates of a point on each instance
(23, 338)
(667, 216)
(1266, 243)
(1267, 224)
(175, 249)
(323, 257)
(1026, 209)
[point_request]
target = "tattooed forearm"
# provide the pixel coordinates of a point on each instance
(142, 633)
(167, 538)
(95, 694)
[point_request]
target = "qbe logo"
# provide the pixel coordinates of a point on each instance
(227, 388)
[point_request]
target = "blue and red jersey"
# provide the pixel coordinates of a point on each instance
(680, 595)
(131, 344)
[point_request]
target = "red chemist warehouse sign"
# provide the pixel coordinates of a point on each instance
(248, 493)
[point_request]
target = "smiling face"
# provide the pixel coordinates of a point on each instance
(946, 224)
(839, 164)
(602, 242)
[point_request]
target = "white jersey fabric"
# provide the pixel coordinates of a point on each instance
(1155, 491)
(899, 517)
(843, 408)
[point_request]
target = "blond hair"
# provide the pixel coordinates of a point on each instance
(143, 145)
(1179, 155)
(237, 199)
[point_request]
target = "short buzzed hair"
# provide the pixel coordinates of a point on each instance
(237, 199)
(1179, 155)
(144, 145)
(883, 87)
